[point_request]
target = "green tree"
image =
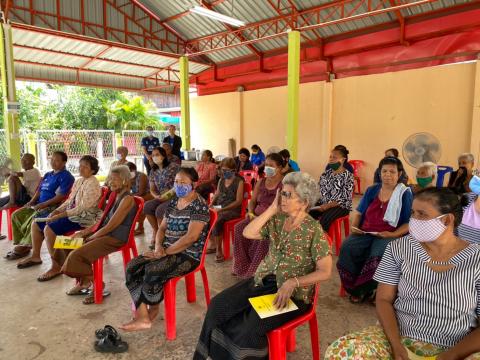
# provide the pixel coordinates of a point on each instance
(130, 113)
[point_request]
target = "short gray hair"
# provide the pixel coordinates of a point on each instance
(430, 166)
(468, 156)
(304, 185)
(123, 171)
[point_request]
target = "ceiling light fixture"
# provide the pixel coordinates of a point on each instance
(217, 16)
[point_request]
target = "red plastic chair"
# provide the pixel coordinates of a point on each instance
(9, 211)
(250, 176)
(103, 197)
(170, 293)
(130, 247)
(229, 226)
(357, 165)
(282, 339)
(335, 231)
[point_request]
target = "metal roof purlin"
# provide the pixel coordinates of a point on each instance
(261, 30)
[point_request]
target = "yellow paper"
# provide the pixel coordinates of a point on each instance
(412, 356)
(264, 307)
(67, 242)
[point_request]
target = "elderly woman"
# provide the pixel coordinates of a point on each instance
(469, 229)
(171, 157)
(52, 190)
(460, 179)
(381, 216)
(100, 240)
(243, 160)
(178, 250)
(299, 257)
(161, 180)
(426, 176)
(336, 189)
(392, 152)
(227, 202)
(428, 297)
(248, 253)
(80, 210)
(139, 187)
(207, 174)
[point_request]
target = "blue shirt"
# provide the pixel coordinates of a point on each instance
(150, 143)
(257, 159)
(293, 164)
(55, 183)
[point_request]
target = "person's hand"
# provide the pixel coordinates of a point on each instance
(460, 171)
(37, 207)
(400, 352)
(80, 234)
(274, 207)
(53, 213)
(284, 294)
(385, 234)
(355, 230)
(156, 254)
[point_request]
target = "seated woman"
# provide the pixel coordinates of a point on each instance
(139, 187)
(80, 210)
(161, 180)
(248, 253)
(22, 185)
(299, 257)
(207, 173)
(243, 160)
(390, 153)
(258, 157)
(469, 229)
(426, 176)
(178, 249)
(227, 202)
(460, 179)
(428, 297)
(381, 216)
(336, 189)
(285, 154)
(52, 191)
(101, 240)
(122, 153)
(171, 157)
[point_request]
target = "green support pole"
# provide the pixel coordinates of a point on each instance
(184, 103)
(118, 141)
(293, 89)
(32, 145)
(10, 118)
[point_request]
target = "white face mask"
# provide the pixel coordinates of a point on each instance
(119, 157)
(157, 160)
(133, 174)
(426, 230)
(150, 133)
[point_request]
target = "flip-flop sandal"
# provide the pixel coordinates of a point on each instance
(48, 278)
(89, 300)
(106, 331)
(78, 290)
(3, 237)
(110, 344)
(28, 264)
(13, 255)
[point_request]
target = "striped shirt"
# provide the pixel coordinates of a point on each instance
(469, 229)
(440, 308)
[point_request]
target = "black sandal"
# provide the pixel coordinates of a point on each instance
(107, 330)
(111, 344)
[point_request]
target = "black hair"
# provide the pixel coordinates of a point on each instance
(394, 151)
(390, 160)
(277, 159)
(285, 154)
(342, 150)
(131, 166)
(165, 162)
(210, 155)
(62, 154)
(92, 162)
(256, 147)
(190, 172)
(244, 151)
(445, 201)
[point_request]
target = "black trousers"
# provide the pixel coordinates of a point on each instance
(327, 217)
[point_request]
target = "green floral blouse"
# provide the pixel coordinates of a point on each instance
(293, 253)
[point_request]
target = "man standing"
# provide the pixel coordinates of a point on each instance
(175, 141)
(149, 143)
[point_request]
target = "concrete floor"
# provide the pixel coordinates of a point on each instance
(38, 321)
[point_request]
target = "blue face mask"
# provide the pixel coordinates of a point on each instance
(474, 185)
(228, 174)
(182, 190)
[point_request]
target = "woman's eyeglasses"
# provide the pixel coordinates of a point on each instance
(286, 194)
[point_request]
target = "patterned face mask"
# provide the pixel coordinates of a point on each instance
(426, 230)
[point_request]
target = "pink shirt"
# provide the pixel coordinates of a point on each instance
(206, 172)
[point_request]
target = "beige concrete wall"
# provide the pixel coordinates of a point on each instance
(376, 112)
(367, 114)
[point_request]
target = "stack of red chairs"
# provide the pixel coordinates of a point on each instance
(357, 165)
(250, 176)
(228, 227)
(169, 289)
